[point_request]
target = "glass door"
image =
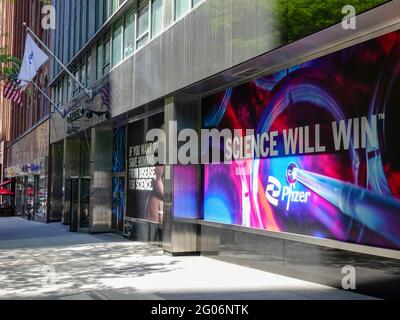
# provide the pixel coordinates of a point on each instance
(80, 204)
(118, 204)
(74, 206)
(84, 203)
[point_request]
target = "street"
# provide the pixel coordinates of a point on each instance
(39, 261)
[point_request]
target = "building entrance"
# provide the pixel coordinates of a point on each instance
(80, 203)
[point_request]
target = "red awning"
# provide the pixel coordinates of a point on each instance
(5, 183)
(6, 192)
(29, 191)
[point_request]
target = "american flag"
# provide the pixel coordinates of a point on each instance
(105, 96)
(13, 91)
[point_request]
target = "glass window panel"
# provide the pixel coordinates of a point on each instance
(70, 88)
(129, 33)
(82, 76)
(75, 87)
(99, 61)
(142, 42)
(117, 44)
(181, 7)
(89, 78)
(106, 8)
(143, 21)
(156, 17)
(106, 55)
(196, 2)
(114, 6)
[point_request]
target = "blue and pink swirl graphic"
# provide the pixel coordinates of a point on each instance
(349, 195)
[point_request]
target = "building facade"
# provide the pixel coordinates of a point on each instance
(28, 148)
(213, 64)
(6, 31)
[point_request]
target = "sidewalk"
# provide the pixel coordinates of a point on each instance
(40, 261)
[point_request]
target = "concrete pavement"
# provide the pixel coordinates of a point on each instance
(40, 261)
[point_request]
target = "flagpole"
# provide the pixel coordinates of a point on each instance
(88, 93)
(48, 98)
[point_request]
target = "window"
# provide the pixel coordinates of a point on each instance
(143, 27)
(129, 33)
(117, 44)
(114, 6)
(106, 54)
(82, 75)
(58, 94)
(156, 17)
(99, 62)
(107, 9)
(70, 88)
(89, 78)
(195, 2)
(181, 7)
(75, 88)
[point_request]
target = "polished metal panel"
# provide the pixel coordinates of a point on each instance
(180, 236)
(305, 239)
(101, 179)
(376, 276)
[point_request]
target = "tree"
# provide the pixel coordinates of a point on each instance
(9, 65)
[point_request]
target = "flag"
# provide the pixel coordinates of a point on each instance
(34, 58)
(13, 91)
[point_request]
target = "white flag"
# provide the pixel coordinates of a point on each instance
(34, 58)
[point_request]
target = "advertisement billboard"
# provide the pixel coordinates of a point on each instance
(329, 162)
(145, 190)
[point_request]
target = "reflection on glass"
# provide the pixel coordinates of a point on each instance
(129, 33)
(74, 205)
(121, 208)
(143, 27)
(117, 44)
(84, 203)
(181, 7)
(156, 17)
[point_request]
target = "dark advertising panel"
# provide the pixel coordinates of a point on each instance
(328, 160)
(145, 179)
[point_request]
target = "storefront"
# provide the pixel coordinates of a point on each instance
(28, 165)
(314, 184)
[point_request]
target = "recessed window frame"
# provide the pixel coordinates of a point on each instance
(107, 66)
(119, 24)
(146, 33)
(133, 11)
(152, 36)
